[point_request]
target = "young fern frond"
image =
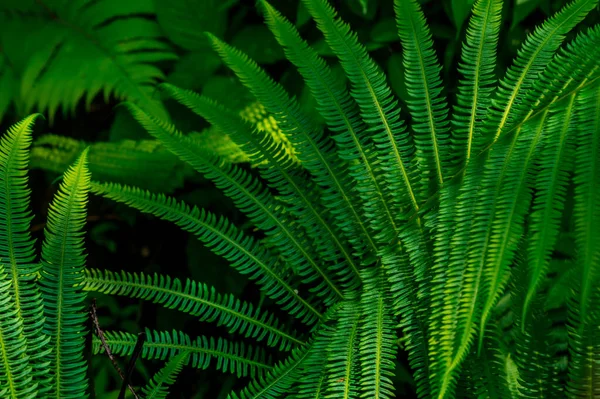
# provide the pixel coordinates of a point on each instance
(313, 147)
(196, 299)
(61, 279)
(229, 357)
(427, 104)
(158, 386)
(17, 246)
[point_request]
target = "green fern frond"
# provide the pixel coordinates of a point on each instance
(378, 107)
(584, 303)
(282, 175)
(312, 373)
(556, 157)
(223, 239)
(16, 378)
(312, 146)
(250, 195)
(17, 245)
(475, 90)
(158, 386)
(342, 360)
(61, 279)
(66, 52)
(427, 105)
(278, 381)
(342, 116)
(508, 106)
(196, 299)
(145, 163)
(377, 345)
(230, 357)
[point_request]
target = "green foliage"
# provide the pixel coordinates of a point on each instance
(428, 227)
(57, 53)
(42, 326)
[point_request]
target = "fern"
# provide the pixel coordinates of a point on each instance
(42, 322)
(90, 48)
(232, 357)
(438, 237)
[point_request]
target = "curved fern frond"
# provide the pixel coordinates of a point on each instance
(312, 146)
(229, 357)
(378, 107)
(79, 49)
(61, 279)
(158, 387)
(278, 170)
(537, 51)
(196, 299)
(224, 239)
(475, 90)
(17, 245)
(278, 382)
(251, 197)
(427, 105)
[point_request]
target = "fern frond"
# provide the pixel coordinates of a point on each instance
(494, 214)
(584, 303)
(378, 107)
(229, 357)
(17, 245)
(223, 239)
(312, 146)
(312, 372)
(342, 116)
(16, 379)
(158, 387)
(427, 105)
(80, 49)
(556, 156)
(477, 63)
(279, 170)
(253, 198)
(61, 278)
(342, 359)
(196, 299)
(377, 345)
(508, 105)
(278, 382)
(144, 163)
